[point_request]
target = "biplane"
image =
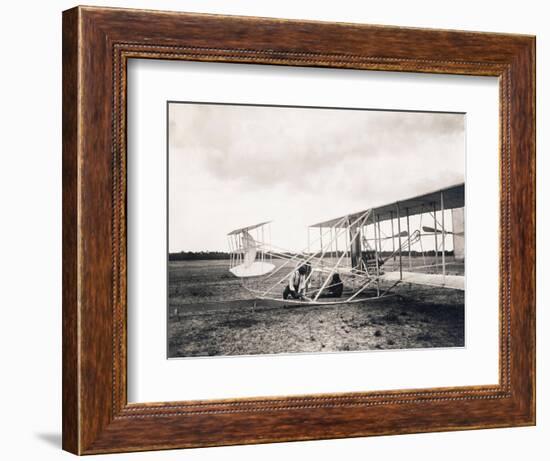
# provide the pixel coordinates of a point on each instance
(419, 240)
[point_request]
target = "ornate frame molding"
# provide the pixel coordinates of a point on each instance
(97, 44)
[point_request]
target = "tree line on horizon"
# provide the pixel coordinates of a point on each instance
(221, 255)
(197, 255)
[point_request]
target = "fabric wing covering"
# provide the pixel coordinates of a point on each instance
(453, 197)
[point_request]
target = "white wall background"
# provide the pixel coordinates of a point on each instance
(30, 227)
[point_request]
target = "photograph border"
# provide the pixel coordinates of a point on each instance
(97, 44)
(282, 106)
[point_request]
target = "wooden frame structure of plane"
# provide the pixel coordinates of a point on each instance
(352, 246)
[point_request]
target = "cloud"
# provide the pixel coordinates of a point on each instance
(323, 158)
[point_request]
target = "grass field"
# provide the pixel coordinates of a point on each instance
(211, 314)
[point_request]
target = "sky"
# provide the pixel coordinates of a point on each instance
(232, 166)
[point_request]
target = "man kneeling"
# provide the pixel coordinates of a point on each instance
(296, 284)
(336, 287)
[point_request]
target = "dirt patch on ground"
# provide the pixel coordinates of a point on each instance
(415, 317)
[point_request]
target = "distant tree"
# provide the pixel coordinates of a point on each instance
(197, 255)
(221, 255)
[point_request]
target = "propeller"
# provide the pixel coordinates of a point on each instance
(431, 230)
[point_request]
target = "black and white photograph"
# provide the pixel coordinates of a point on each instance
(275, 230)
(313, 229)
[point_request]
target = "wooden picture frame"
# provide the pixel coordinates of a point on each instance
(97, 43)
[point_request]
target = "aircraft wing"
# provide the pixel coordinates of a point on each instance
(453, 197)
(248, 228)
(455, 282)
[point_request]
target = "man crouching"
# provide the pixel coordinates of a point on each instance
(296, 287)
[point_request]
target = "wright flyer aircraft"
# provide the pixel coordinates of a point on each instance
(359, 256)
